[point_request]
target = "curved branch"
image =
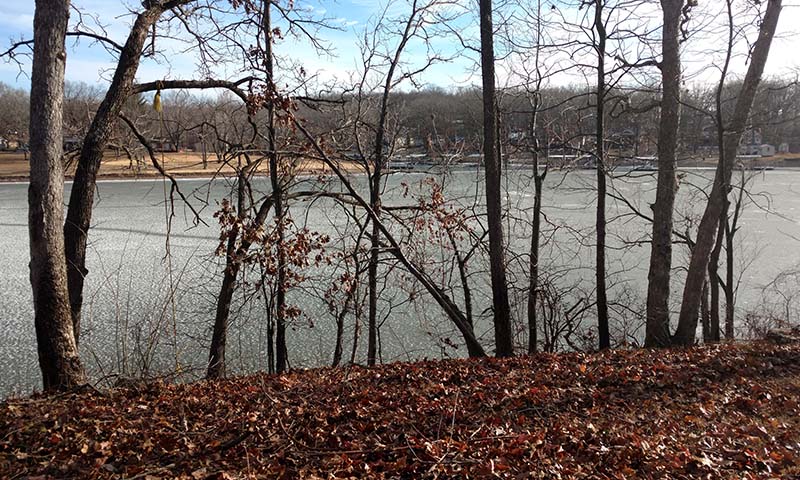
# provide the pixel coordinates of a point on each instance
(233, 86)
(152, 153)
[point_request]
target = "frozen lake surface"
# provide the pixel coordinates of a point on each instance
(133, 323)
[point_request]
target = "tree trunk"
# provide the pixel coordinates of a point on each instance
(658, 285)
(281, 352)
(58, 352)
(600, 220)
(706, 235)
(374, 238)
(730, 295)
(339, 345)
(216, 356)
(533, 280)
(705, 314)
(502, 313)
(713, 280)
(81, 201)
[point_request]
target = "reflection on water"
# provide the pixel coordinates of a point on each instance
(139, 318)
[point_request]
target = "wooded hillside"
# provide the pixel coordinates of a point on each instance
(724, 411)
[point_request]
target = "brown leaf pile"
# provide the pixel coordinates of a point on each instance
(713, 412)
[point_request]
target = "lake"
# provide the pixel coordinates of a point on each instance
(149, 300)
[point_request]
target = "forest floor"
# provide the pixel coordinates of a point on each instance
(725, 411)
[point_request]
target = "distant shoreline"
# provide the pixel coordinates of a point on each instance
(188, 167)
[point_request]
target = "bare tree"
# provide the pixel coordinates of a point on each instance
(79, 212)
(504, 346)
(58, 353)
(601, 38)
(657, 327)
(707, 231)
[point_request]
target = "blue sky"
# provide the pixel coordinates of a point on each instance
(88, 62)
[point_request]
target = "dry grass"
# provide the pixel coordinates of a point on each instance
(14, 166)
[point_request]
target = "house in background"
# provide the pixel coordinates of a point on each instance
(767, 150)
(762, 150)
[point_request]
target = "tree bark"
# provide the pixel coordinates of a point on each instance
(81, 201)
(658, 285)
(706, 235)
(216, 356)
(713, 280)
(600, 220)
(705, 314)
(504, 346)
(58, 352)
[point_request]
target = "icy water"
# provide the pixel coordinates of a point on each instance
(140, 318)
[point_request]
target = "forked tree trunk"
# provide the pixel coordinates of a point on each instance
(658, 285)
(376, 182)
(504, 346)
(706, 235)
(81, 201)
(58, 352)
(216, 355)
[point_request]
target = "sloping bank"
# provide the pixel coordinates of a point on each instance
(728, 411)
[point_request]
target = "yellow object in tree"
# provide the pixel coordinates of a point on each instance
(157, 101)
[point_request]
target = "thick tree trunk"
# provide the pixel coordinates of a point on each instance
(502, 313)
(706, 235)
(658, 286)
(81, 201)
(55, 338)
(600, 220)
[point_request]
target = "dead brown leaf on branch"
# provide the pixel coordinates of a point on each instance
(728, 411)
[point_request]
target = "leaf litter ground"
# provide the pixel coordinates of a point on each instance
(726, 411)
